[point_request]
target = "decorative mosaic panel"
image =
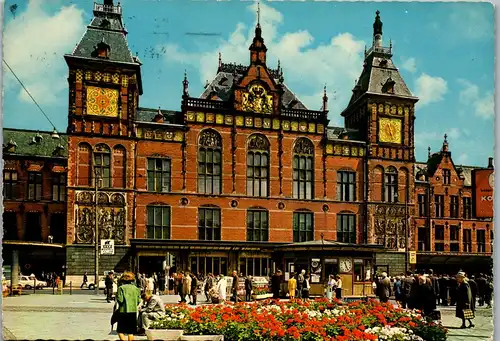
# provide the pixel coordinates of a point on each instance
(106, 77)
(303, 127)
(337, 149)
(354, 151)
(361, 151)
(124, 81)
(286, 125)
(116, 78)
(295, 126)
(400, 110)
(249, 122)
(329, 149)
(258, 122)
(97, 76)
(79, 75)
(276, 124)
(210, 118)
(239, 121)
(88, 75)
(229, 119)
(179, 136)
(200, 117)
(102, 101)
(321, 129)
(267, 123)
(312, 128)
(190, 116)
(219, 119)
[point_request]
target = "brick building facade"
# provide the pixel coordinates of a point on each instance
(244, 176)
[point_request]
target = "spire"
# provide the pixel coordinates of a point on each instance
(185, 84)
(258, 49)
(377, 31)
(325, 99)
(220, 59)
(445, 143)
(428, 152)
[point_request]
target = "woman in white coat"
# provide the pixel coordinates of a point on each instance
(221, 288)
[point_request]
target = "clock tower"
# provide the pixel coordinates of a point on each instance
(382, 110)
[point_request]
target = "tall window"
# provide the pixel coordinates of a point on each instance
(346, 186)
(258, 166)
(158, 224)
(467, 239)
(481, 240)
(303, 169)
(422, 205)
(439, 238)
(454, 238)
(467, 204)
(102, 164)
(10, 184)
(257, 225)
(210, 162)
(446, 176)
(454, 206)
(439, 205)
(209, 227)
(58, 187)
(424, 239)
(10, 226)
(303, 227)
(159, 175)
(58, 227)
(33, 227)
(35, 186)
(391, 185)
(346, 228)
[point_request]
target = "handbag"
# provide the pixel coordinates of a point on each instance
(468, 314)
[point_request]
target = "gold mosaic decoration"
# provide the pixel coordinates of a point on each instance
(79, 75)
(321, 129)
(200, 117)
(286, 125)
(249, 122)
(276, 124)
(210, 118)
(295, 126)
(329, 149)
(229, 119)
(258, 122)
(116, 78)
(389, 130)
(267, 123)
(190, 116)
(312, 128)
(97, 76)
(239, 120)
(106, 77)
(219, 119)
(102, 101)
(88, 75)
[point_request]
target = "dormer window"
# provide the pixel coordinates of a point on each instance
(102, 50)
(292, 103)
(105, 24)
(383, 63)
(11, 146)
(37, 139)
(59, 151)
(388, 87)
(223, 81)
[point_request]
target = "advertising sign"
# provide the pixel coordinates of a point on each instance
(483, 184)
(107, 247)
(413, 257)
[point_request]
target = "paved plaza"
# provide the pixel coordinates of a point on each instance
(85, 316)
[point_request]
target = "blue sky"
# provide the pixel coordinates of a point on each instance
(445, 52)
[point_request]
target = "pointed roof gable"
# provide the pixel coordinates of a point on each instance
(106, 26)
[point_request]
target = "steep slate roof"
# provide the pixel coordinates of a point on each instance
(465, 172)
(148, 114)
(27, 145)
(222, 85)
(336, 133)
(107, 27)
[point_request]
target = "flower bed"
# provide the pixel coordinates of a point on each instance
(306, 321)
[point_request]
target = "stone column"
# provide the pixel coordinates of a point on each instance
(15, 268)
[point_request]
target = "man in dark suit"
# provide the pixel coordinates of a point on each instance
(434, 284)
(248, 288)
(443, 289)
(234, 288)
(109, 281)
(406, 283)
(384, 291)
(481, 288)
(276, 283)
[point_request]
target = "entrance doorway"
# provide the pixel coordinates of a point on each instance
(151, 264)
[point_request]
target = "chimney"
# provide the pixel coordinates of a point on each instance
(490, 162)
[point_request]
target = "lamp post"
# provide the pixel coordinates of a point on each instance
(96, 233)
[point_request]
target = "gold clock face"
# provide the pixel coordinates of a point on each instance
(102, 101)
(257, 100)
(389, 130)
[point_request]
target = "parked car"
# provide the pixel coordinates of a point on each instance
(102, 286)
(27, 282)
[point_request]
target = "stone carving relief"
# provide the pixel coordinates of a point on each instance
(210, 138)
(111, 217)
(303, 146)
(258, 142)
(389, 227)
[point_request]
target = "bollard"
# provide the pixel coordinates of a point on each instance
(53, 289)
(34, 286)
(71, 287)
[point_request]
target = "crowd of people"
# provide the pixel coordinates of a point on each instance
(425, 291)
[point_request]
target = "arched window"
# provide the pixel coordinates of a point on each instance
(303, 226)
(210, 162)
(391, 185)
(257, 225)
(303, 169)
(119, 166)
(102, 164)
(209, 226)
(258, 166)
(158, 222)
(83, 173)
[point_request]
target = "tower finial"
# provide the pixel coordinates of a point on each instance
(185, 84)
(220, 59)
(325, 99)
(258, 13)
(429, 152)
(377, 30)
(445, 143)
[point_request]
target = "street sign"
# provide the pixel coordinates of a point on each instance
(107, 247)
(413, 257)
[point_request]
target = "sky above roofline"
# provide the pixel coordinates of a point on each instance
(444, 51)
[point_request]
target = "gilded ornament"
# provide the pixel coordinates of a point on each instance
(354, 151)
(329, 149)
(200, 117)
(248, 121)
(229, 119)
(257, 100)
(303, 127)
(393, 110)
(190, 116)
(312, 128)
(258, 142)
(321, 129)
(88, 75)
(116, 78)
(286, 125)
(79, 75)
(267, 123)
(210, 138)
(380, 108)
(338, 149)
(346, 150)
(407, 111)
(139, 133)
(400, 110)
(106, 77)
(102, 101)
(210, 118)
(295, 126)
(258, 122)
(239, 121)
(97, 76)
(178, 136)
(219, 119)
(374, 108)
(303, 146)
(361, 152)
(276, 124)
(389, 130)
(387, 109)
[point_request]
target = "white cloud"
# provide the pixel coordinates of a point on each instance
(34, 43)
(481, 103)
(430, 89)
(427, 138)
(410, 65)
(307, 67)
(474, 21)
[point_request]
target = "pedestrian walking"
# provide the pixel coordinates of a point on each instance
(488, 292)
(406, 284)
(292, 286)
(194, 289)
(209, 284)
(473, 291)
(463, 301)
(128, 299)
(338, 289)
(384, 288)
(85, 281)
(108, 282)
(443, 289)
(275, 284)
(398, 290)
(306, 287)
(330, 287)
(222, 288)
(426, 296)
(481, 289)
(248, 288)
(300, 283)
(234, 287)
